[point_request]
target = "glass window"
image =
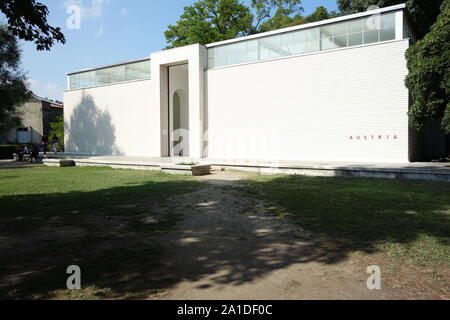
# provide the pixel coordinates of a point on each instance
(387, 20)
(242, 52)
(326, 31)
(371, 23)
(118, 74)
(135, 71)
(103, 76)
(264, 53)
(264, 48)
(312, 34)
(355, 39)
(253, 50)
(287, 41)
(370, 36)
(327, 44)
(121, 73)
(276, 52)
(355, 26)
(300, 36)
(312, 46)
(340, 29)
(84, 80)
(221, 56)
(354, 32)
(211, 58)
(74, 82)
(93, 79)
(340, 41)
(232, 54)
(275, 41)
(387, 34)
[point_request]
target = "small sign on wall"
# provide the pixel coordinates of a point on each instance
(374, 137)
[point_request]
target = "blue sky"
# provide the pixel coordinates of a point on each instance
(111, 31)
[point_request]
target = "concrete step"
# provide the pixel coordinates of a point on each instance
(195, 170)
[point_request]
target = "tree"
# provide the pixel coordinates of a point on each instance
(275, 14)
(27, 20)
(321, 13)
(423, 12)
(209, 21)
(429, 74)
(57, 129)
(13, 88)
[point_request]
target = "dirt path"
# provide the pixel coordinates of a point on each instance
(231, 247)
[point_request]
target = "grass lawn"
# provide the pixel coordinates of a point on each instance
(93, 217)
(402, 223)
(106, 221)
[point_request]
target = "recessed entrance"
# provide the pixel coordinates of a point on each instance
(179, 110)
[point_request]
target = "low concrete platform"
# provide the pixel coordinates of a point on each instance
(414, 171)
(132, 163)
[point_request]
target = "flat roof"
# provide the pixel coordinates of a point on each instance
(309, 25)
(108, 66)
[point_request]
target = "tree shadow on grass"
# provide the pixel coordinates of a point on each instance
(101, 231)
(361, 214)
(225, 241)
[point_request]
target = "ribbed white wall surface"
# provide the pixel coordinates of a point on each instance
(117, 119)
(342, 105)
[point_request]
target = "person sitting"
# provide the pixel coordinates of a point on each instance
(26, 153)
(21, 152)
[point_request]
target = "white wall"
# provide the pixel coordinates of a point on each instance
(195, 56)
(308, 107)
(117, 119)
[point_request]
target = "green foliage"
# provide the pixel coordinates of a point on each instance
(423, 12)
(209, 21)
(13, 88)
(27, 20)
(321, 13)
(57, 129)
(429, 74)
(398, 217)
(275, 14)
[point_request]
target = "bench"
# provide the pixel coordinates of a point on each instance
(26, 157)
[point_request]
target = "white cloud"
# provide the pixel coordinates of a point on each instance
(32, 83)
(46, 89)
(93, 11)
